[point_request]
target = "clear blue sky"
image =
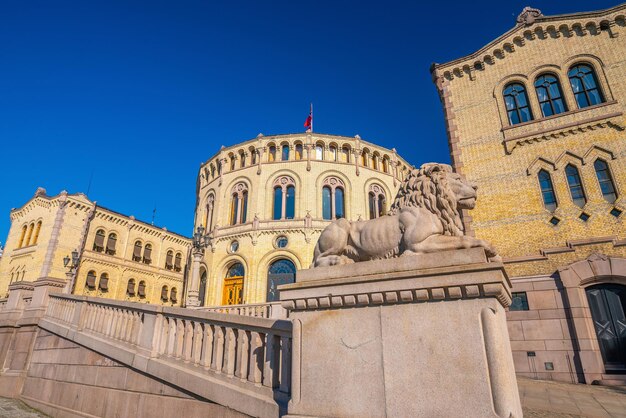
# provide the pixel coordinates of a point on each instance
(141, 92)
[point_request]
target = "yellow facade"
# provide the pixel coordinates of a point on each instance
(356, 166)
(64, 223)
(504, 159)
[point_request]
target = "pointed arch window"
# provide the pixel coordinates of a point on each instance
(111, 243)
(284, 155)
(547, 190)
(376, 201)
(516, 101)
(333, 198)
(575, 185)
(284, 198)
(98, 243)
(585, 85)
(605, 180)
(137, 251)
(298, 152)
(239, 204)
(550, 95)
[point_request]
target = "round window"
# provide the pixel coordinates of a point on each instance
(234, 246)
(281, 242)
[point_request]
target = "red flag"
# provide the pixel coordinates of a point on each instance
(308, 123)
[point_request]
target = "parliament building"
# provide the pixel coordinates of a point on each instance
(535, 119)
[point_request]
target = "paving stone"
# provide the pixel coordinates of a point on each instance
(13, 408)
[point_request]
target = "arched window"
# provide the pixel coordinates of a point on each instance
(242, 159)
(233, 285)
(137, 251)
(284, 155)
(333, 199)
(319, 152)
(375, 158)
(164, 293)
(239, 204)
(605, 180)
(37, 229)
(169, 260)
(364, 159)
(232, 163)
(333, 152)
(376, 201)
(111, 243)
(130, 289)
(22, 236)
(284, 198)
(147, 254)
(208, 220)
(202, 292)
(103, 283)
(585, 85)
(91, 280)
(575, 186)
(212, 171)
(345, 154)
(178, 261)
(298, 151)
(31, 227)
(98, 243)
(550, 95)
(517, 106)
(386, 165)
(174, 295)
(282, 271)
(271, 157)
(547, 190)
(141, 289)
(253, 155)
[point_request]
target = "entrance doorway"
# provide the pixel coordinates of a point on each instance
(233, 285)
(282, 271)
(607, 303)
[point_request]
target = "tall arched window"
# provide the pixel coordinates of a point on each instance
(169, 260)
(282, 271)
(174, 295)
(252, 155)
(98, 243)
(298, 151)
(517, 106)
(319, 152)
(239, 204)
(585, 85)
(605, 180)
(575, 186)
(147, 254)
(386, 165)
(130, 289)
(31, 227)
(333, 152)
(364, 159)
(550, 95)
(22, 236)
(164, 293)
(37, 229)
(547, 190)
(141, 289)
(233, 285)
(284, 198)
(284, 155)
(103, 283)
(91, 280)
(376, 201)
(271, 156)
(178, 262)
(333, 199)
(375, 158)
(212, 171)
(242, 159)
(208, 219)
(111, 243)
(345, 154)
(137, 251)
(232, 162)
(202, 292)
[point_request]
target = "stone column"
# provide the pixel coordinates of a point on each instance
(259, 159)
(356, 160)
(415, 336)
(194, 285)
(308, 148)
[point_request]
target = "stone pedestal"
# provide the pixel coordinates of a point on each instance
(417, 336)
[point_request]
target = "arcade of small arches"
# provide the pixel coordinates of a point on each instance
(27, 238)
(134, 290)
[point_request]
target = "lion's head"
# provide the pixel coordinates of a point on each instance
(440, 190)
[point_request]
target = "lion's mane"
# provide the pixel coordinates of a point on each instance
(427, 187)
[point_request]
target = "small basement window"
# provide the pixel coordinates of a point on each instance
(519, 302)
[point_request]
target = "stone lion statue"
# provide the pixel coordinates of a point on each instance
(424, 218)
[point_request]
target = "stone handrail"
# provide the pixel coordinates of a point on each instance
(258, 310)
(250, 353)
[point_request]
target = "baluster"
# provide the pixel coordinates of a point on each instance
(243, 354)
(270, 368)
(285, 364)
(188, 341)
(230, 352)
(255, 373)
(125, 320)
(197, 342)
(218, 349)
(207, 346)
(128, 334)
(114, 322)
(171, 339)
(165, 333)
(180, 337)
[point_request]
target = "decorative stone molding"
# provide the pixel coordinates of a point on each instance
(595, 269)
(528, 16)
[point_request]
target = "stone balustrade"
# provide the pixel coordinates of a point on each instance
(273, 310)
(247, 351)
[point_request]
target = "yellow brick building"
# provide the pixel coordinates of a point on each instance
(265, 201)
(119, 257)
(536, 119)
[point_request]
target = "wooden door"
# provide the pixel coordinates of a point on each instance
(607, 303)
(233, 291)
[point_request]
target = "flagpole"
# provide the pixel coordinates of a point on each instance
(311, 117)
